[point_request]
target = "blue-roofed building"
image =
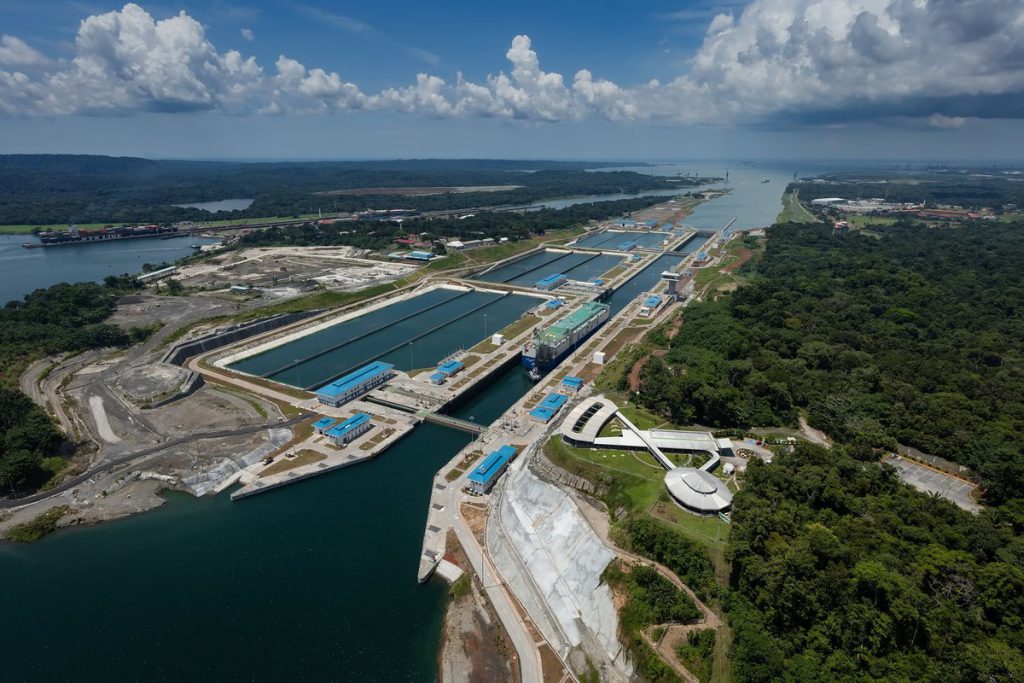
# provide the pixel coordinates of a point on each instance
(482, 479)
(651, 222)
(323, 424)
(355, 384)
(420, 256)
(548, 408)
(437, 378)
(572, 384)
(650, 305)
(554, 303)
(450, 368)
(551, 282)
(350, 429)
(597, 281)
(626, 223)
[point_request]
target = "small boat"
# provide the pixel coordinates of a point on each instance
(766, 180)
(535, 374)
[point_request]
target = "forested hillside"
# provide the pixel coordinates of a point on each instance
(967, 189)
(48, 321)
(41, 189)
(916, 336)
(841, 573)
(487, 224)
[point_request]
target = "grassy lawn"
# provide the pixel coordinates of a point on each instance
(303, 457)
(793, 211)
(321, 299)
(643, 419)
(864, 221)
(27, 229)
(518, 327)
(642, 479)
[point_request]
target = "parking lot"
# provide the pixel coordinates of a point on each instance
(922, 478)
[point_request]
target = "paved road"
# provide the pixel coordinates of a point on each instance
(929, 480)
(529, 657)
(112, 464)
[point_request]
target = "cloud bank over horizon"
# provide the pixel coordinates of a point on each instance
(776, 63)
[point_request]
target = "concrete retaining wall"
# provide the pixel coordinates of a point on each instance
(180, 353)
(191, 384)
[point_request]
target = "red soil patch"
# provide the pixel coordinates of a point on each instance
(745, 255)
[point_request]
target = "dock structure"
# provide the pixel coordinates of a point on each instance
(483, 478)
(323, 424)
(548, 408)
(355, 384)
(554, 281)
(349, 430)
(453, 422)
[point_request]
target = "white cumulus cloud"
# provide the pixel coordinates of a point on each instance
(15, 52)
(776, 62)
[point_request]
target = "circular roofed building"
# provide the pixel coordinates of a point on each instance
(698, 491)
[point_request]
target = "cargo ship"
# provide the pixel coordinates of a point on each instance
(75, 235)
(549, 346)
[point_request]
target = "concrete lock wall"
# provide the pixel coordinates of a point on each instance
(193, 382)
(180, 353)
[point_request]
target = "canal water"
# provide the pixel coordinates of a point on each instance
(694, 243)
(414, 333)
(580, 265)
(220, 205)
(610, 239)
(754, 204)
(315, 581)
(26, 270)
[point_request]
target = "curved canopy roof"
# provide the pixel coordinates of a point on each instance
(698, 490)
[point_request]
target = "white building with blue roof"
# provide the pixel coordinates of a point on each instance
(482, 479)
(350, 429)
(355, 384)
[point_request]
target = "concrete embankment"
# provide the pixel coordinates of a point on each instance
(553, 561)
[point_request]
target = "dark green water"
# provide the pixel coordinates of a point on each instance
(312, 582)
(450, 320)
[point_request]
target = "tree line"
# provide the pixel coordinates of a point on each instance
(41, 189)
(62, 318)
(914, 337)
(378, 235)
(840, 573)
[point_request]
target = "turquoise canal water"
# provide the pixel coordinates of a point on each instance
(576, 265)
(312, 582)
(610, 239)
(414, 333)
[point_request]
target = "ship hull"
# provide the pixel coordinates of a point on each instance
(544, 360)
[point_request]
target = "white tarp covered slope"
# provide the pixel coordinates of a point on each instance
(553, 561)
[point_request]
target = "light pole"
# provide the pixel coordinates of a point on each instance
(485, 326)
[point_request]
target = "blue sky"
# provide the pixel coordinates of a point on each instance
(942, 79)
